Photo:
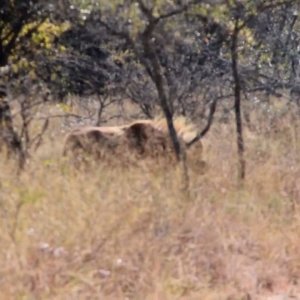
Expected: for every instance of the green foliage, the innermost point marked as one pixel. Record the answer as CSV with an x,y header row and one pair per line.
x,y
46,33
197,28
42,41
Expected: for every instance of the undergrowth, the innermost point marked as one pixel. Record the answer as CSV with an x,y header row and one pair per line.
x,y
133,234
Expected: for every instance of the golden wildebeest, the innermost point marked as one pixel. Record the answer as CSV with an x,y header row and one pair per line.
x,y
139,140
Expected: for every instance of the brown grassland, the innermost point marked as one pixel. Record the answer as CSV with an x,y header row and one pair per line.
x,y
132,233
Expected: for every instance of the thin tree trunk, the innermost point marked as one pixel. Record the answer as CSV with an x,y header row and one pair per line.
x,y
156,75
8,136
237,104
178,149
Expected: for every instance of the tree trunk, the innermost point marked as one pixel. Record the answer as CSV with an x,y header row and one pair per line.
x,y
237,104
157,77
153,67
8,136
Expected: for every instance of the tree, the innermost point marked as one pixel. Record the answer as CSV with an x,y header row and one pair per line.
x,y
15,16
244,14
8,137
84,67
183,57
145,39
20,41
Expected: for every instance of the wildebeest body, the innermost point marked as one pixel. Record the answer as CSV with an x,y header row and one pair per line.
x,y
140,140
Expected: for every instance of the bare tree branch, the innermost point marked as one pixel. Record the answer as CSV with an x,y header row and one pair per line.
x,y
210,119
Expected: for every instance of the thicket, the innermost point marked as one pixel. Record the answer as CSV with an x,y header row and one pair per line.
x,y
186,57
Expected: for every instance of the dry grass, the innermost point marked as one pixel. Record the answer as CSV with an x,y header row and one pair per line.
x,y
133,234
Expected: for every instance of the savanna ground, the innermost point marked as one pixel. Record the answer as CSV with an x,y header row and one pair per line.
x,y
133,233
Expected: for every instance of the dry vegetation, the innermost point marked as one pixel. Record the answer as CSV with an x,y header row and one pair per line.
x,y
133,234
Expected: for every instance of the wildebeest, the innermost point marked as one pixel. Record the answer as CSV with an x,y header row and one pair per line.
x,y
139,140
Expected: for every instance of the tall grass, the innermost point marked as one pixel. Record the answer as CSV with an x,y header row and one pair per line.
x,y
132,233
